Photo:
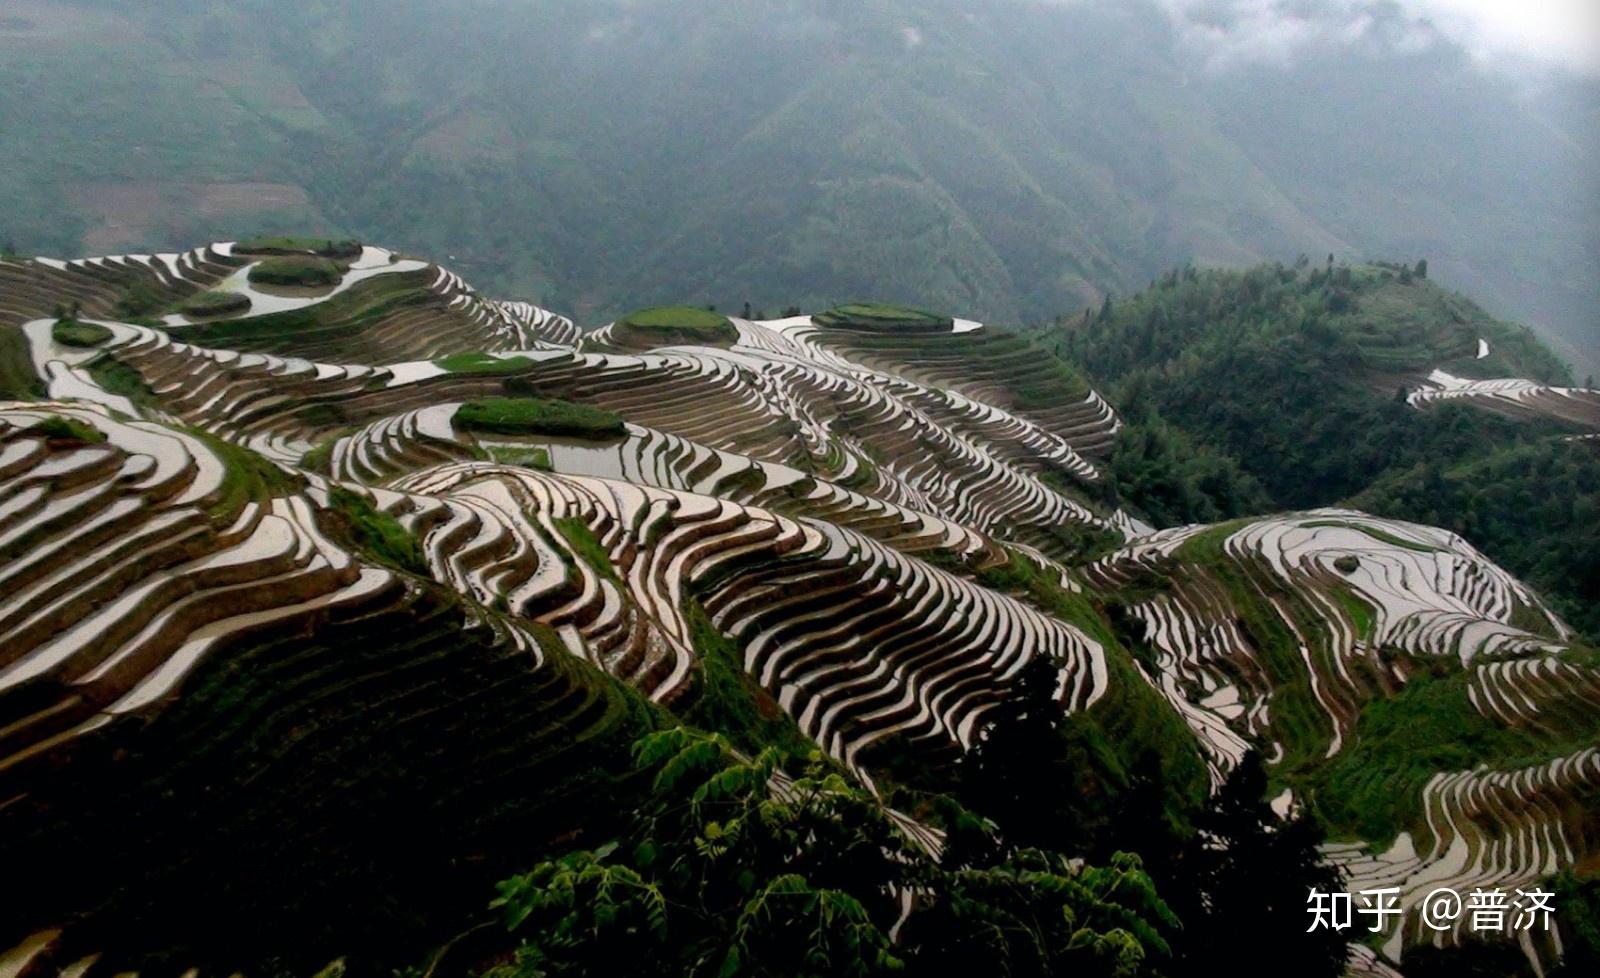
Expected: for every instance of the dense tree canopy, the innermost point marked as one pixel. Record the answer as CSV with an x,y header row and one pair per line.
x,y
733,869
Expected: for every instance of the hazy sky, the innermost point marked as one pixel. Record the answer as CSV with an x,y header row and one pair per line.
x,y
1511,33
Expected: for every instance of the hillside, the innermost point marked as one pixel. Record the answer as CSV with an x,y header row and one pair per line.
x,y
1008,162
327,610
1312,385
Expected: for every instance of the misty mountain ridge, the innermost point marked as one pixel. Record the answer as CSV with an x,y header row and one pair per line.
x,y
1017,161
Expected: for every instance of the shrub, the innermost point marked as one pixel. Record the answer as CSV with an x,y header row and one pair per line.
x,y
71,332
537,416
1347,564
295,270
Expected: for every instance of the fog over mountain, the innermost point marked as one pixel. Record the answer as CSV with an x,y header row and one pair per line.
x,y
1015,161
1540,36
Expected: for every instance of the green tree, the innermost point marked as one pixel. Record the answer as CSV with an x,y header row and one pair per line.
x,y
732,869
1033,771
1246,872
1577,903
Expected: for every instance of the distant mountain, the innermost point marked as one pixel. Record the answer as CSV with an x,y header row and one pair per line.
x,y
1013,160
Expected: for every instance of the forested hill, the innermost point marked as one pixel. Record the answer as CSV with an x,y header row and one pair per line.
x,y
1298,386
1008,160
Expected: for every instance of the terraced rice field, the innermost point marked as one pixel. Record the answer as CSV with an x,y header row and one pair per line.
x,y
1287,631
1513,397
257,551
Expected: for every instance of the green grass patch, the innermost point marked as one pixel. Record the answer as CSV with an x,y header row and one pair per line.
x,y
587,546
140,299
1206,545
1298,721
1358,611
247,477
320,457
477,362
728,700
882,316
1132,716
204,305
538,416
327,327
71,332
58,428
18,381
1382,536
374,532
679,324
324,247
527,456
1372,789
115,377
302,271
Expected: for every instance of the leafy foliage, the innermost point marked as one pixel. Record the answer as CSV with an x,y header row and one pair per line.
x,y
115,377
1276,388
1244,871
1577,903
586,545
1373,787
246,476
1171,477
732,870
727,700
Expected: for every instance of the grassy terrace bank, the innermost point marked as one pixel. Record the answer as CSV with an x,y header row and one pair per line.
x,y
482,363
325,247
296,270
885,317
71,332
203,305
677,324
538,416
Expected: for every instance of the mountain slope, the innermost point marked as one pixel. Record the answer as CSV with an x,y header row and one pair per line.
x,y
1012,161
442,595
